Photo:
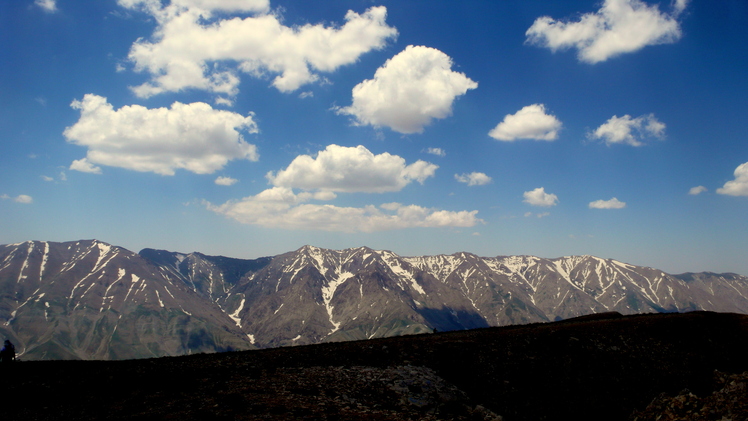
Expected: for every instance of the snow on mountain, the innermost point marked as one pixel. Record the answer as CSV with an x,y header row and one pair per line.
x,y
89,299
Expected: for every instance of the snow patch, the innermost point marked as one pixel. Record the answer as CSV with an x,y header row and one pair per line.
x,y
402,273
564,272
517,264
25,262
623,265
158,296
235,317
134,280
44,260
328,292
316,254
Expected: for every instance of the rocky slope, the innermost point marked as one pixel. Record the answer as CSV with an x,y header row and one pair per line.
x,y
313,295
91,300
727,401
600,367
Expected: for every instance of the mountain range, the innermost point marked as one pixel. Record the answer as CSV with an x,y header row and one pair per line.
x,y
91,300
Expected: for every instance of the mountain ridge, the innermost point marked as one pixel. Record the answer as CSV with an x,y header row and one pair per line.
x,y
90,300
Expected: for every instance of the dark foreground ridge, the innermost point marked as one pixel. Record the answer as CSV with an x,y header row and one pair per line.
x,y
601,367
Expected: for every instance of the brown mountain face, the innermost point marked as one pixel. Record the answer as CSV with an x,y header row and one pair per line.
x,y
91,300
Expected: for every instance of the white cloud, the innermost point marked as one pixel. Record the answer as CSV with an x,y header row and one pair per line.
x,y
21,198
408,91
226,181
191,50
47,5
697,190
539,197
351,169
175,7
680,6
226,102
155,7
194,137
279,207
391,206
473,179
436,151
738,186
620,26
630,131
538,215
226,5
607,204
83,165
47,178
531,122
323,195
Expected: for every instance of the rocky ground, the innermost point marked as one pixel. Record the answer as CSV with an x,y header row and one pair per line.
x,y
600,367
729,401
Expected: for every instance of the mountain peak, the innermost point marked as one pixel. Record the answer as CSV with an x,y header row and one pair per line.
x,y
102,299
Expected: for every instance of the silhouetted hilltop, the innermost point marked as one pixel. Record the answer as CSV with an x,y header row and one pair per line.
x,y
604,367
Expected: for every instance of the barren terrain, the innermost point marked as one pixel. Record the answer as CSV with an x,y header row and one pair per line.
x,y
594,367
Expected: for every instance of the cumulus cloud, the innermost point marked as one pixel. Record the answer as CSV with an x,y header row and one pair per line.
x,y
408,91
531,122
697,190
225,5
351,169
680,6
226,181
607,204
156,7
629,131
190,49
436,151
21,198
618,27
279,207
539,197
194,137
738,186
473,179
47,5
83,165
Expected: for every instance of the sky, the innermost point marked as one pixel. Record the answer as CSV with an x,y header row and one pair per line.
x,y
250,128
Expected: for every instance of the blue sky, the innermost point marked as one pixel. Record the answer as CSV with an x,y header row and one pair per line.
x,y
249,128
